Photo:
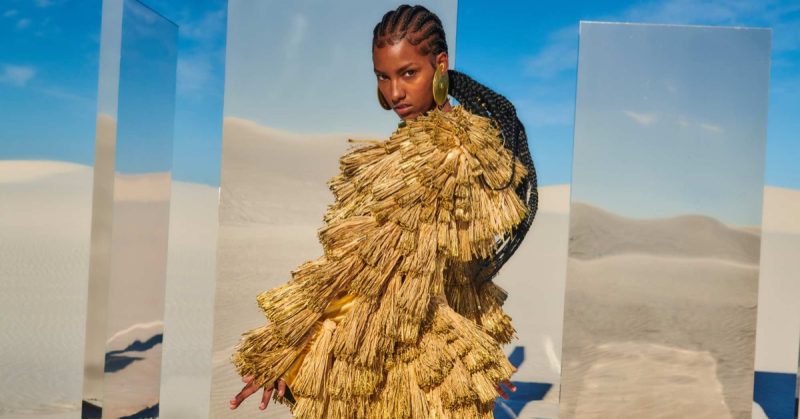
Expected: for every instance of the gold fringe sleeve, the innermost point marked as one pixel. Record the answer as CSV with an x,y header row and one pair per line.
x,y
409,213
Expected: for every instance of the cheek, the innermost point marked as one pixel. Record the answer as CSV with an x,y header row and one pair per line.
x,y
384,88
422,92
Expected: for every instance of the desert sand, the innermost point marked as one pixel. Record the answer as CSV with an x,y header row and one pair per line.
x,y
269,227
659,317
45,226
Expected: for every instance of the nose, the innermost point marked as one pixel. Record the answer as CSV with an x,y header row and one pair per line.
x,y
398,93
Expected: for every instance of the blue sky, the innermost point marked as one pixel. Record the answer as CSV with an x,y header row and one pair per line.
x,y
48,81
528,51
525,50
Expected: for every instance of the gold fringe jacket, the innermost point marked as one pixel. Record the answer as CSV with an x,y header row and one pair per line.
x,y
389,322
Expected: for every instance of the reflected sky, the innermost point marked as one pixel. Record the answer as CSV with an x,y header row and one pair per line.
x,y
672,120
146,91
287,68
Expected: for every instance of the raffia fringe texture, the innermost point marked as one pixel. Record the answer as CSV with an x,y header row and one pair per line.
x,y
388,323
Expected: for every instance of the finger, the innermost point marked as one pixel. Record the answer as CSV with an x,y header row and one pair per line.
x,y
510,385
281,387
266,397
501,392
249,389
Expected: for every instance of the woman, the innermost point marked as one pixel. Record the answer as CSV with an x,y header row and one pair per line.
x,y
399,318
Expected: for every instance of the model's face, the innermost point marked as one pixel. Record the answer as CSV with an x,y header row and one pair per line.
x,y
405,78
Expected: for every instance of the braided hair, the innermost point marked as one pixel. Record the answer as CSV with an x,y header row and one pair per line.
x,y
422,28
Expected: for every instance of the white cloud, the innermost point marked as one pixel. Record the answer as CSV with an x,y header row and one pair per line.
x,y
297,33
773,13
17,75
195,72
23,23
44,3
10,13
560,54
716,129
60,93
642,118
294,38
211,26
544,113
694,11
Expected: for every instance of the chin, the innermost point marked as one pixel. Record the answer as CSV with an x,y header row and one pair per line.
x,y
409,117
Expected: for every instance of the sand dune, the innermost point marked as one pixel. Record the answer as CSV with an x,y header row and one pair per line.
x,y
659,317
681,383
21,171
44,239
595,233
703,305
275,177
45,221
147,187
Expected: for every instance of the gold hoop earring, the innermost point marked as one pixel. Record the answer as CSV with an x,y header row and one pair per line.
x,y
382,100
441,83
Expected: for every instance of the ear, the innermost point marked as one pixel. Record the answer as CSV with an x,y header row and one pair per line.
x,y
442,59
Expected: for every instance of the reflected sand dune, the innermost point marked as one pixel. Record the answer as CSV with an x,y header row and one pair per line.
x,y
272,201
45,218
684,383
683,303
595,232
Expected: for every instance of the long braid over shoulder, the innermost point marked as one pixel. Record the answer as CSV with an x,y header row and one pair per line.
x,y
422,28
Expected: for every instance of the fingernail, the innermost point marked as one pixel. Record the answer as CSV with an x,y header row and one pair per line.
x,y
262,406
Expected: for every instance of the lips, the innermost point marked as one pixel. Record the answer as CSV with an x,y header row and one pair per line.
x,y
402,108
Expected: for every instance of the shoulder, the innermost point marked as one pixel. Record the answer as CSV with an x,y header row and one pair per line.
x,y
445,129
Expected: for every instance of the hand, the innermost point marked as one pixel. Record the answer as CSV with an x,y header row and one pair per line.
x,y
508,384
252,387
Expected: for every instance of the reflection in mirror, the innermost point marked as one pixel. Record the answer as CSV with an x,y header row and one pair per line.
x,y
665,221
298,84
136,102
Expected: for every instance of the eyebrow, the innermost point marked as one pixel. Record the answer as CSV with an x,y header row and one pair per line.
x,y
400,70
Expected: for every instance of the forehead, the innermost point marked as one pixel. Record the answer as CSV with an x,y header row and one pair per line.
x,y
397,55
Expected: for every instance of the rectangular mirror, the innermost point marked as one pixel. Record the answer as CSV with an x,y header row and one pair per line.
x,y
299,83
130,225
665,221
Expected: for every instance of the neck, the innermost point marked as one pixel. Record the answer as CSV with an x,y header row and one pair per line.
x,y
445,108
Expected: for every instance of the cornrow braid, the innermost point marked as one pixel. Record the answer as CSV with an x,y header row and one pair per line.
x,y
416,24
481,100
422,28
